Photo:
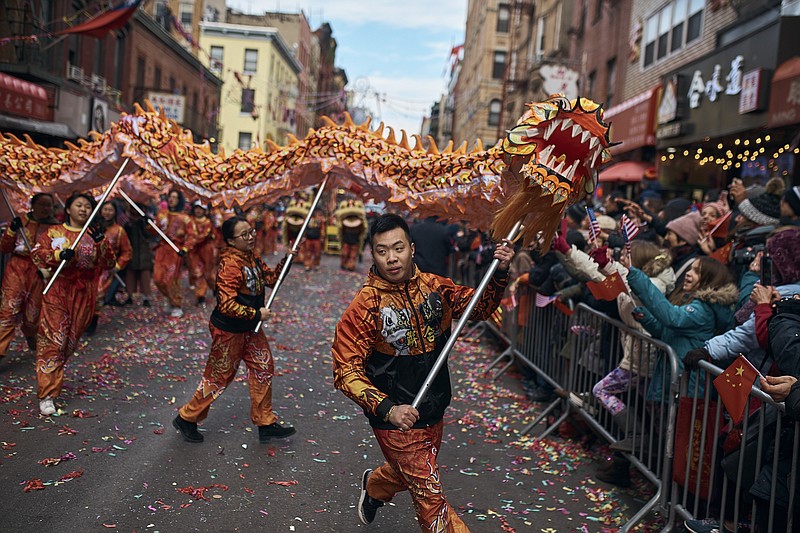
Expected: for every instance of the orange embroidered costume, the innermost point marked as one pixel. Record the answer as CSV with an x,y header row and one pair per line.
x,y
241,281
178,226
203,258
385,344
118,240
21,293
68,306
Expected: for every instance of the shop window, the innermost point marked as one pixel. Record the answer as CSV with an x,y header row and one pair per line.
x,y
250,61
499,65
671,29
245,140
494,113
216,57
248,99
503,18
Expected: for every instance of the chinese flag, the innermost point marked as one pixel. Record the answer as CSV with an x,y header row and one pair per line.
x,y
609,288
564,308
722,253
720,230
733,386
112,19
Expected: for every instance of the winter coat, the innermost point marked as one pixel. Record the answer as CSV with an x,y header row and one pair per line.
x,y
389,337
140,239
742,339
683,327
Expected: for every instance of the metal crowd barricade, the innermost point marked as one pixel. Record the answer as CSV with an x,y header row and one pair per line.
x,y
766,456
599,344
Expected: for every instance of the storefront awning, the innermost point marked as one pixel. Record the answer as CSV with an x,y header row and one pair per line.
x,y
25,125
627,171
784,102
23,98
633,122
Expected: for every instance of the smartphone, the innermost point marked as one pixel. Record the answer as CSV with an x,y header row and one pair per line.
x,y
766,270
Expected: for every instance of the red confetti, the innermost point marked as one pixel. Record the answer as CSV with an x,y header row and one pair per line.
x,y
66,430
282,483
159,431
80,413
199,492
33,484
72,475
110,526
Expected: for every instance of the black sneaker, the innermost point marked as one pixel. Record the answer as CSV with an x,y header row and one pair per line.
x,y
92,327
201,300
146,303
274,431
188,430
367,505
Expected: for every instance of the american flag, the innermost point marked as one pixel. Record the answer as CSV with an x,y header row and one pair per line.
x,y
594,226
629,227
544,301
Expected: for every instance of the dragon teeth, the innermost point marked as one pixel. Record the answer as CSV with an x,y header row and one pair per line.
x,y
585,136
576,129
566,123
559,169
532,133
593,142
550,129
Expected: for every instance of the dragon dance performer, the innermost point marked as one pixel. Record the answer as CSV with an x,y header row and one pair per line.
x,y
351,219
385,345
117,239
21,293
271,231
241,281
203,257
68,306
312,244
178,226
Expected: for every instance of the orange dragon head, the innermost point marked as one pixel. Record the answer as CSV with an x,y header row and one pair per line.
x,y
554,151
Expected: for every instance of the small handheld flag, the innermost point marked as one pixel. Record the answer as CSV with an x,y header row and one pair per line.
x,y
594,226
734,385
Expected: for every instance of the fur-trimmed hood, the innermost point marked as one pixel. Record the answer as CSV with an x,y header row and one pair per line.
x,y
725,295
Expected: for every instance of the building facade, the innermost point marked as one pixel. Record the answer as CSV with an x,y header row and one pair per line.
x,y
260,76
331,80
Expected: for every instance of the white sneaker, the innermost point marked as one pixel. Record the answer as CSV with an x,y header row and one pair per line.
x,y
46,407
176,312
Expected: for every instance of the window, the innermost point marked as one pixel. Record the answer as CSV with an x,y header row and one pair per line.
x,y
248,99
590,82
157,78
215,63
598,9
503,18
186,14
250,61
611,82
245,140
140,71
494,113
499,66
671,29
541,25
172,84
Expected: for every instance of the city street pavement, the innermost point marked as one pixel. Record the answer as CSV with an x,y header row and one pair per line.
x,y
112,461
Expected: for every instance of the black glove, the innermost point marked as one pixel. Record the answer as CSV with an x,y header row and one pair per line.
x,y
66,254
182,253
693,357
96,234
16,223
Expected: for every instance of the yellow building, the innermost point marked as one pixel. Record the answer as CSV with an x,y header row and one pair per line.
x,y
260,79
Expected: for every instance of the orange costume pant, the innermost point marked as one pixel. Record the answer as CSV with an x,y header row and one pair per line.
x,y
348,256
271,241
202,268
312,253
67,309
167,274
227,351
411,464
20,300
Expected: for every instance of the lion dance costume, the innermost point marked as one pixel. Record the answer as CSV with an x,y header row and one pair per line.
x,y
351,221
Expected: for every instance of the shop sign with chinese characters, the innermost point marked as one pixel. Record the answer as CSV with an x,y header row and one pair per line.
x,y
712,88
172,104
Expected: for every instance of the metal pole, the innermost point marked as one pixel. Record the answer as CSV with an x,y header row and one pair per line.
x,y
295,248
13,214
442,359
121,282
150,221
88,222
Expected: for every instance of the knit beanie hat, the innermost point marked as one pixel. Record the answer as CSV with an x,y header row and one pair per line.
x,y
792,197
782,248
675,208
687,227
606,223
765,209
721,205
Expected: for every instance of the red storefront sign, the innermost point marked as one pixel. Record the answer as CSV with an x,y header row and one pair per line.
x,y
784,101
23,98
633,122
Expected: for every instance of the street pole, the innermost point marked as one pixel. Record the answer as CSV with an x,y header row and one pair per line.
x,y
89,222
150,221
442,359
295,248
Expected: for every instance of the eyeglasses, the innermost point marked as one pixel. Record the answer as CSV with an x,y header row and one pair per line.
x,y
246,234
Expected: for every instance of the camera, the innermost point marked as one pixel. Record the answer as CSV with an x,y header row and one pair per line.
x,y
746,255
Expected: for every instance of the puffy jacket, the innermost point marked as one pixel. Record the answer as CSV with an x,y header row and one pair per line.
x,y
389,337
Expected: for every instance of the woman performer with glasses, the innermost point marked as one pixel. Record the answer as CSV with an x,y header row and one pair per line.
x,y
241,281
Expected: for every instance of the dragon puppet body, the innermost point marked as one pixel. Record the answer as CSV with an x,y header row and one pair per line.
x,y
548,161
